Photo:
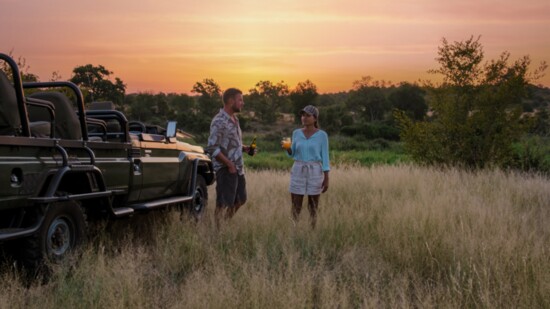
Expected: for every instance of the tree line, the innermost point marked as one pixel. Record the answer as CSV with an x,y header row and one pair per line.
x,y
475,117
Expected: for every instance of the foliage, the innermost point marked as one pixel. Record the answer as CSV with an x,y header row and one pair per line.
x,y
96,86
410,99
460,121
198,117
538,98
267,99
23,67
541,122
140,106
372,130
476,110
160,108
304,94
210,99
334,117
532,154
368,99
185,112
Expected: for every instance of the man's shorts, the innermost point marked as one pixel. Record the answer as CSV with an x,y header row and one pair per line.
x,y
306,178
230,188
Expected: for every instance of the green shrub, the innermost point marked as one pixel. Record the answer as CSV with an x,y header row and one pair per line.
x,y
371,131
532,154
477,114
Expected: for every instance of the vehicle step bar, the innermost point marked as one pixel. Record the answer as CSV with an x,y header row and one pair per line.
x,y
14,233
163,202
83,196
122,211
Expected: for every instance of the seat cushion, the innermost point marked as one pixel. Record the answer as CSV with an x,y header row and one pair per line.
x,y
40,129
67,125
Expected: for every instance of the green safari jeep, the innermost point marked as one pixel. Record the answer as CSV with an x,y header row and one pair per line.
x,y
62,164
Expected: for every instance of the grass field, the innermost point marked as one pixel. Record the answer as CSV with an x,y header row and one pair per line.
x,y
387,236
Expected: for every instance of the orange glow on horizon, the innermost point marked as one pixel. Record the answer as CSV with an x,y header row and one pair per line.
x,y
169,46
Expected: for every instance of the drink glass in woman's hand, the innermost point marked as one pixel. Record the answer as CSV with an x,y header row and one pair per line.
x,y
286,143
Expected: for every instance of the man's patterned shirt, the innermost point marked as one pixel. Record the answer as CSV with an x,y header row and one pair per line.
x,y
226,137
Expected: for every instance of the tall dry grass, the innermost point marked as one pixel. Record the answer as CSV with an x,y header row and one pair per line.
x,y
387,236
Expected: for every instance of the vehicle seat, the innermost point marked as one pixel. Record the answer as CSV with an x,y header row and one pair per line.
x,y
113,125
40,129
104,105
10,123
67,125
41,117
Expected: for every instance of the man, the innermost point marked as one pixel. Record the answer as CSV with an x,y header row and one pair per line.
x,y
225,144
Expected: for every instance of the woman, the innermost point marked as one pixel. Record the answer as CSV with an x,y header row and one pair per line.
x,y
309,174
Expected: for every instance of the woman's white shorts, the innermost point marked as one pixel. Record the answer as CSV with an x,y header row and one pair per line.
x,y
306,178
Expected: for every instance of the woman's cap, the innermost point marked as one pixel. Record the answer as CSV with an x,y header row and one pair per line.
x,y
310,109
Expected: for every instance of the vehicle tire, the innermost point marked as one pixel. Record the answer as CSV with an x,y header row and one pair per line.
x,y
197,207
63,230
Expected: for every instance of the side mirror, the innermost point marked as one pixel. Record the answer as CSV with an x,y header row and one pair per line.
x,y
171,130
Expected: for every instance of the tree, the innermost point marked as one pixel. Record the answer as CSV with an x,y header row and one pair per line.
x,y
183,106
333,118
368,100
304,94
23,67
541,122
96,86
410,99
267,99
210,100
476,110
56,76
159,108
208,104
140,106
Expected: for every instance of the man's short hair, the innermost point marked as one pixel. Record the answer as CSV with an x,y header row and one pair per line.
x,y
230,93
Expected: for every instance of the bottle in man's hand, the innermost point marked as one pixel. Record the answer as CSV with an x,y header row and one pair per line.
x,y
252,147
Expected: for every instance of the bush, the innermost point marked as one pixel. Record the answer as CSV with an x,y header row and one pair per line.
x,y
477,110
532,154
386,132
372,131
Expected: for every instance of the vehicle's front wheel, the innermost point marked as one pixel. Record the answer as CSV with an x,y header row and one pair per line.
x,y
197,207
63,229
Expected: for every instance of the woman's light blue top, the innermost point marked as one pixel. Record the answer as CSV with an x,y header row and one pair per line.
x,y
312,149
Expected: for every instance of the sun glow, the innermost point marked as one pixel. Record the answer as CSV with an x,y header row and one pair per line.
x,y
168,46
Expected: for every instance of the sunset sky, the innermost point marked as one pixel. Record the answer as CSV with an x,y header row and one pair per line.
x,y
169,45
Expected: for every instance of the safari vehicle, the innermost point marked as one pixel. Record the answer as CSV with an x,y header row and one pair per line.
x,y
61,166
